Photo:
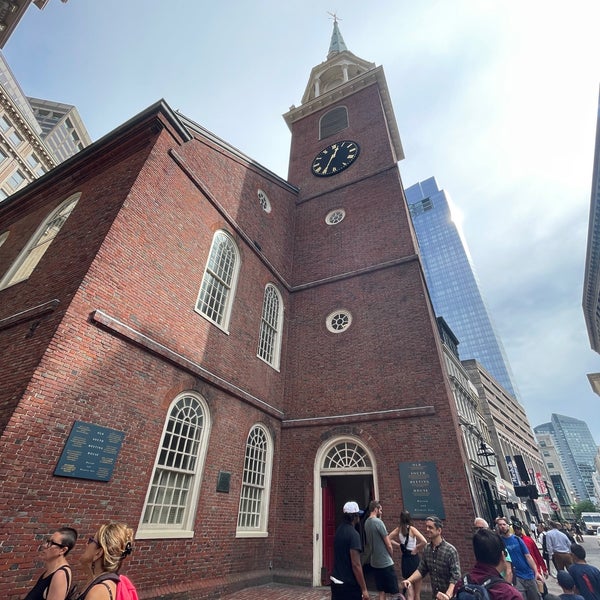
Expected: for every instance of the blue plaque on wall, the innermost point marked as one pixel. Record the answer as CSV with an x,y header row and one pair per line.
x,y
90,452
421,493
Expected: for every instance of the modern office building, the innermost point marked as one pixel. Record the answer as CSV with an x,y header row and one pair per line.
x,y
522,470
577,451
591,282
35,135
452,282
221,357
565,497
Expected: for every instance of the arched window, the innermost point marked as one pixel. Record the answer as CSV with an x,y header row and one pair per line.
x,y
37,246
173,493
271,325
256,484
218,283
347,455
333,121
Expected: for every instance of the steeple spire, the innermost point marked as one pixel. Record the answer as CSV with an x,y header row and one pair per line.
x,y
337,44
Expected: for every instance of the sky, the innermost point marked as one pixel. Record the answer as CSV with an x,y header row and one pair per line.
x,y
496,99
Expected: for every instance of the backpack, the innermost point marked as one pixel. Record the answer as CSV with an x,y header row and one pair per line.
x,y
475,591
125,588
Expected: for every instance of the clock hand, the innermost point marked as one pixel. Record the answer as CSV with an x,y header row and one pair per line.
x,y
331,158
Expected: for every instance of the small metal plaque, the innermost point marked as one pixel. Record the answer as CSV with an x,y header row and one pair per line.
x,y
223,482
91,452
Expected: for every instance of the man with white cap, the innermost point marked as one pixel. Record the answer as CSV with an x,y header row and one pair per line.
x,y
347,579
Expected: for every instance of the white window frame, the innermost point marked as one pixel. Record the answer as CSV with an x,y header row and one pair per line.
x,y
271,328
184,529
212,278
21,269
256,485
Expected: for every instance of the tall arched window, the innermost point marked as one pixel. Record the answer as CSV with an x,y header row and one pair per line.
x,y
271,325
218,284
173,493
256,484
333,121
37,246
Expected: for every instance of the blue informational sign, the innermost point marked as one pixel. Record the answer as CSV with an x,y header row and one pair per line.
x,y
421,494
91,452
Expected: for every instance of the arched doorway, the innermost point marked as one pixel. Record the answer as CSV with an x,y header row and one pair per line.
x,y
344,470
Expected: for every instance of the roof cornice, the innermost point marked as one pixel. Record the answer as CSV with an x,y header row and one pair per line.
x,y
374,76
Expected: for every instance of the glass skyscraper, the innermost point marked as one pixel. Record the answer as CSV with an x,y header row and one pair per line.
x,y
452,282
577,451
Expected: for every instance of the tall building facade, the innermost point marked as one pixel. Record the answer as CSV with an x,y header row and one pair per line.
x,y
221,357
476,433
577,450
591,282
35,135
11,12
452,281
522,470
565,496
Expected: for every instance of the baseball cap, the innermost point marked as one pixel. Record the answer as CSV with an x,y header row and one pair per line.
x,y
565,580
351,508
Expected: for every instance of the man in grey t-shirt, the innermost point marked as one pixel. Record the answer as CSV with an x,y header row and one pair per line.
x,y
379,550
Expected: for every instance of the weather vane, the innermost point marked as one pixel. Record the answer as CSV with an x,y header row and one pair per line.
x,y
334,16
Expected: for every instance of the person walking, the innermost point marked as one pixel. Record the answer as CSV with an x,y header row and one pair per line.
x,y
524,567
559,547
490,557
55,581
378,548
586,577
347,579
567,584
507,573
439,560
410,541
532,547
102,558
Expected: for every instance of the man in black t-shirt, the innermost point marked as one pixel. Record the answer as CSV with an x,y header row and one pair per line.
x,y
347,579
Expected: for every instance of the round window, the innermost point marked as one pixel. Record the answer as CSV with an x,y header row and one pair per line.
x,y
335,216
338,321
264,201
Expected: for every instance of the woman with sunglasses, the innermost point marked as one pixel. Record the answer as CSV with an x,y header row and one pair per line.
x,y
55,581
102,558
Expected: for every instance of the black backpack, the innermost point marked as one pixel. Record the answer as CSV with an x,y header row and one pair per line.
x,y
476,591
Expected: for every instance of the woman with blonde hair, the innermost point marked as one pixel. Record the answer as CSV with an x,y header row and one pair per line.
x,y
103,556
411,542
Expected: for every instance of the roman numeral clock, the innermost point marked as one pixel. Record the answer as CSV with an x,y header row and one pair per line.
x,y
335,158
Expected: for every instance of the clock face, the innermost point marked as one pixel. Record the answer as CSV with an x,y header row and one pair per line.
x,y
335,158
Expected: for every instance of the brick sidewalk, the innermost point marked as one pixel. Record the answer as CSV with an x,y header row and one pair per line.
x,y
279,591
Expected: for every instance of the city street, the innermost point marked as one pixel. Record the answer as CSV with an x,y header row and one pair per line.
x,y
277,591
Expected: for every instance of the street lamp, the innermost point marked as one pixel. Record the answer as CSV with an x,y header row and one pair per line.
x,y
487,454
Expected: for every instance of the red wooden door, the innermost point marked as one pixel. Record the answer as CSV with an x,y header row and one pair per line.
x,y
328,528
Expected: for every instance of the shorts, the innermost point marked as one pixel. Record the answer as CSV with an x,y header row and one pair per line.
x,y
410,562
345,591
386,580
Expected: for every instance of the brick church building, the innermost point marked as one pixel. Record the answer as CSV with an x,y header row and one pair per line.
x,y
220,357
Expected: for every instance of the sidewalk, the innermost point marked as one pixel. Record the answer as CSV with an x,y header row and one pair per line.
x,y
279,591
